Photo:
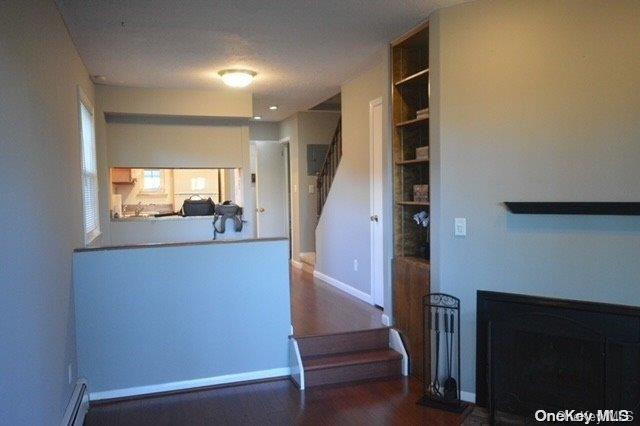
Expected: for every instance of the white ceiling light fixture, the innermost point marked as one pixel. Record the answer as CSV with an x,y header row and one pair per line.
x,y
237,77
257,117
273,107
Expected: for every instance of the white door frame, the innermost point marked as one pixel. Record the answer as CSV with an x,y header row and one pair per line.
x,y
376,238
286,143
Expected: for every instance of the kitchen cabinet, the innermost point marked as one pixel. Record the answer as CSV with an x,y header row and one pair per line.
x,y
121,176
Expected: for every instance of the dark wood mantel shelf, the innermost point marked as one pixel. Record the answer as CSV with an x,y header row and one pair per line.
x,y
584,208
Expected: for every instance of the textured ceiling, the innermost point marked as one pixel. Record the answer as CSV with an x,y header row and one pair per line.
x,y
302,50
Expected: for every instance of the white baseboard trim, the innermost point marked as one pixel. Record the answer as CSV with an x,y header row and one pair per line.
x,y
78,405
344,287
189,384
386,320
297,369
395,343
468,396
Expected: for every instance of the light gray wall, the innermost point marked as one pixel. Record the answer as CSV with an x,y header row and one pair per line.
x,y
264,131
315,128
305,128
41,210
155,315
536,101
343,233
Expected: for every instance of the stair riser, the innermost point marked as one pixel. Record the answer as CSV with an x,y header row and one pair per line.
x,y
352,373
341,343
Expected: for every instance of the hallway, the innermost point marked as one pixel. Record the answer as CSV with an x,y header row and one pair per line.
x,y
318,308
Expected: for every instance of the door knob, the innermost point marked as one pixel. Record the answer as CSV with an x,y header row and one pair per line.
x,y
261,210
374,218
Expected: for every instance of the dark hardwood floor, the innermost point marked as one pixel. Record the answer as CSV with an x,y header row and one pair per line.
x,y
386,402
319,308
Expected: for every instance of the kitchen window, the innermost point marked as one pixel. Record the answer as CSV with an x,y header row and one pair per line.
x,y
152,181
89,169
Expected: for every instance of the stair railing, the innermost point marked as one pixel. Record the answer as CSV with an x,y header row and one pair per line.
x,y
329,167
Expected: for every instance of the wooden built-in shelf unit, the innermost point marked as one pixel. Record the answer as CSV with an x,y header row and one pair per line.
x,y
410,94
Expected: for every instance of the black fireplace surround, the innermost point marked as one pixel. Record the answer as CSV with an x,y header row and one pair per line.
x,y
537,353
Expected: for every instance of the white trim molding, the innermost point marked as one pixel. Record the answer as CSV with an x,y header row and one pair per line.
x,y
344,287
190,384
376,228
78,405
395,343
297,368
386,320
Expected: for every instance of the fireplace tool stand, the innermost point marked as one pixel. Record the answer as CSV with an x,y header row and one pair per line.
x,y
442,340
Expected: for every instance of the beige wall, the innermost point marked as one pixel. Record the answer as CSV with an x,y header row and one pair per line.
x,y
534,101
41,210
195,103
343,232
147,142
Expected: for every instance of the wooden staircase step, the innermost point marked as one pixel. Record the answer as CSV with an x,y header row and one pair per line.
x,y
349,358
352,366
338,343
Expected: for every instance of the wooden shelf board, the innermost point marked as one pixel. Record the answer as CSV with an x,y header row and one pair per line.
x,y
412,77
412,122
412,203
416,161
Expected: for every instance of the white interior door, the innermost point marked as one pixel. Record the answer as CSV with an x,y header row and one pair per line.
x,y
271,190
376,145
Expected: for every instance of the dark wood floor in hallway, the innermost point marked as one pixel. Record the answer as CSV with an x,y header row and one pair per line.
x,y
319,308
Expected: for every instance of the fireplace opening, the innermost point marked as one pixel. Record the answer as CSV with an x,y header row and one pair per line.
x,y
537,353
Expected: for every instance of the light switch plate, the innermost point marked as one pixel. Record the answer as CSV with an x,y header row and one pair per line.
x,y
312,189
460,227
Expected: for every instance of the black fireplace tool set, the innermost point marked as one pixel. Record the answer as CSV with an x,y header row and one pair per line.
x,y
442,341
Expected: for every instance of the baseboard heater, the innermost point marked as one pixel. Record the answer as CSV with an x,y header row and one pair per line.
x,y
77,407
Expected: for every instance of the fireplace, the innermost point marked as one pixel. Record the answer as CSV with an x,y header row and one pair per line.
x,y
538,353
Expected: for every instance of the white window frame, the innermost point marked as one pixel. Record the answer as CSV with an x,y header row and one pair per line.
x,y
161,189
85,173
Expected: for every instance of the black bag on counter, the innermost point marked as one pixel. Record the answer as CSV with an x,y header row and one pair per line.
x,y
198,207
